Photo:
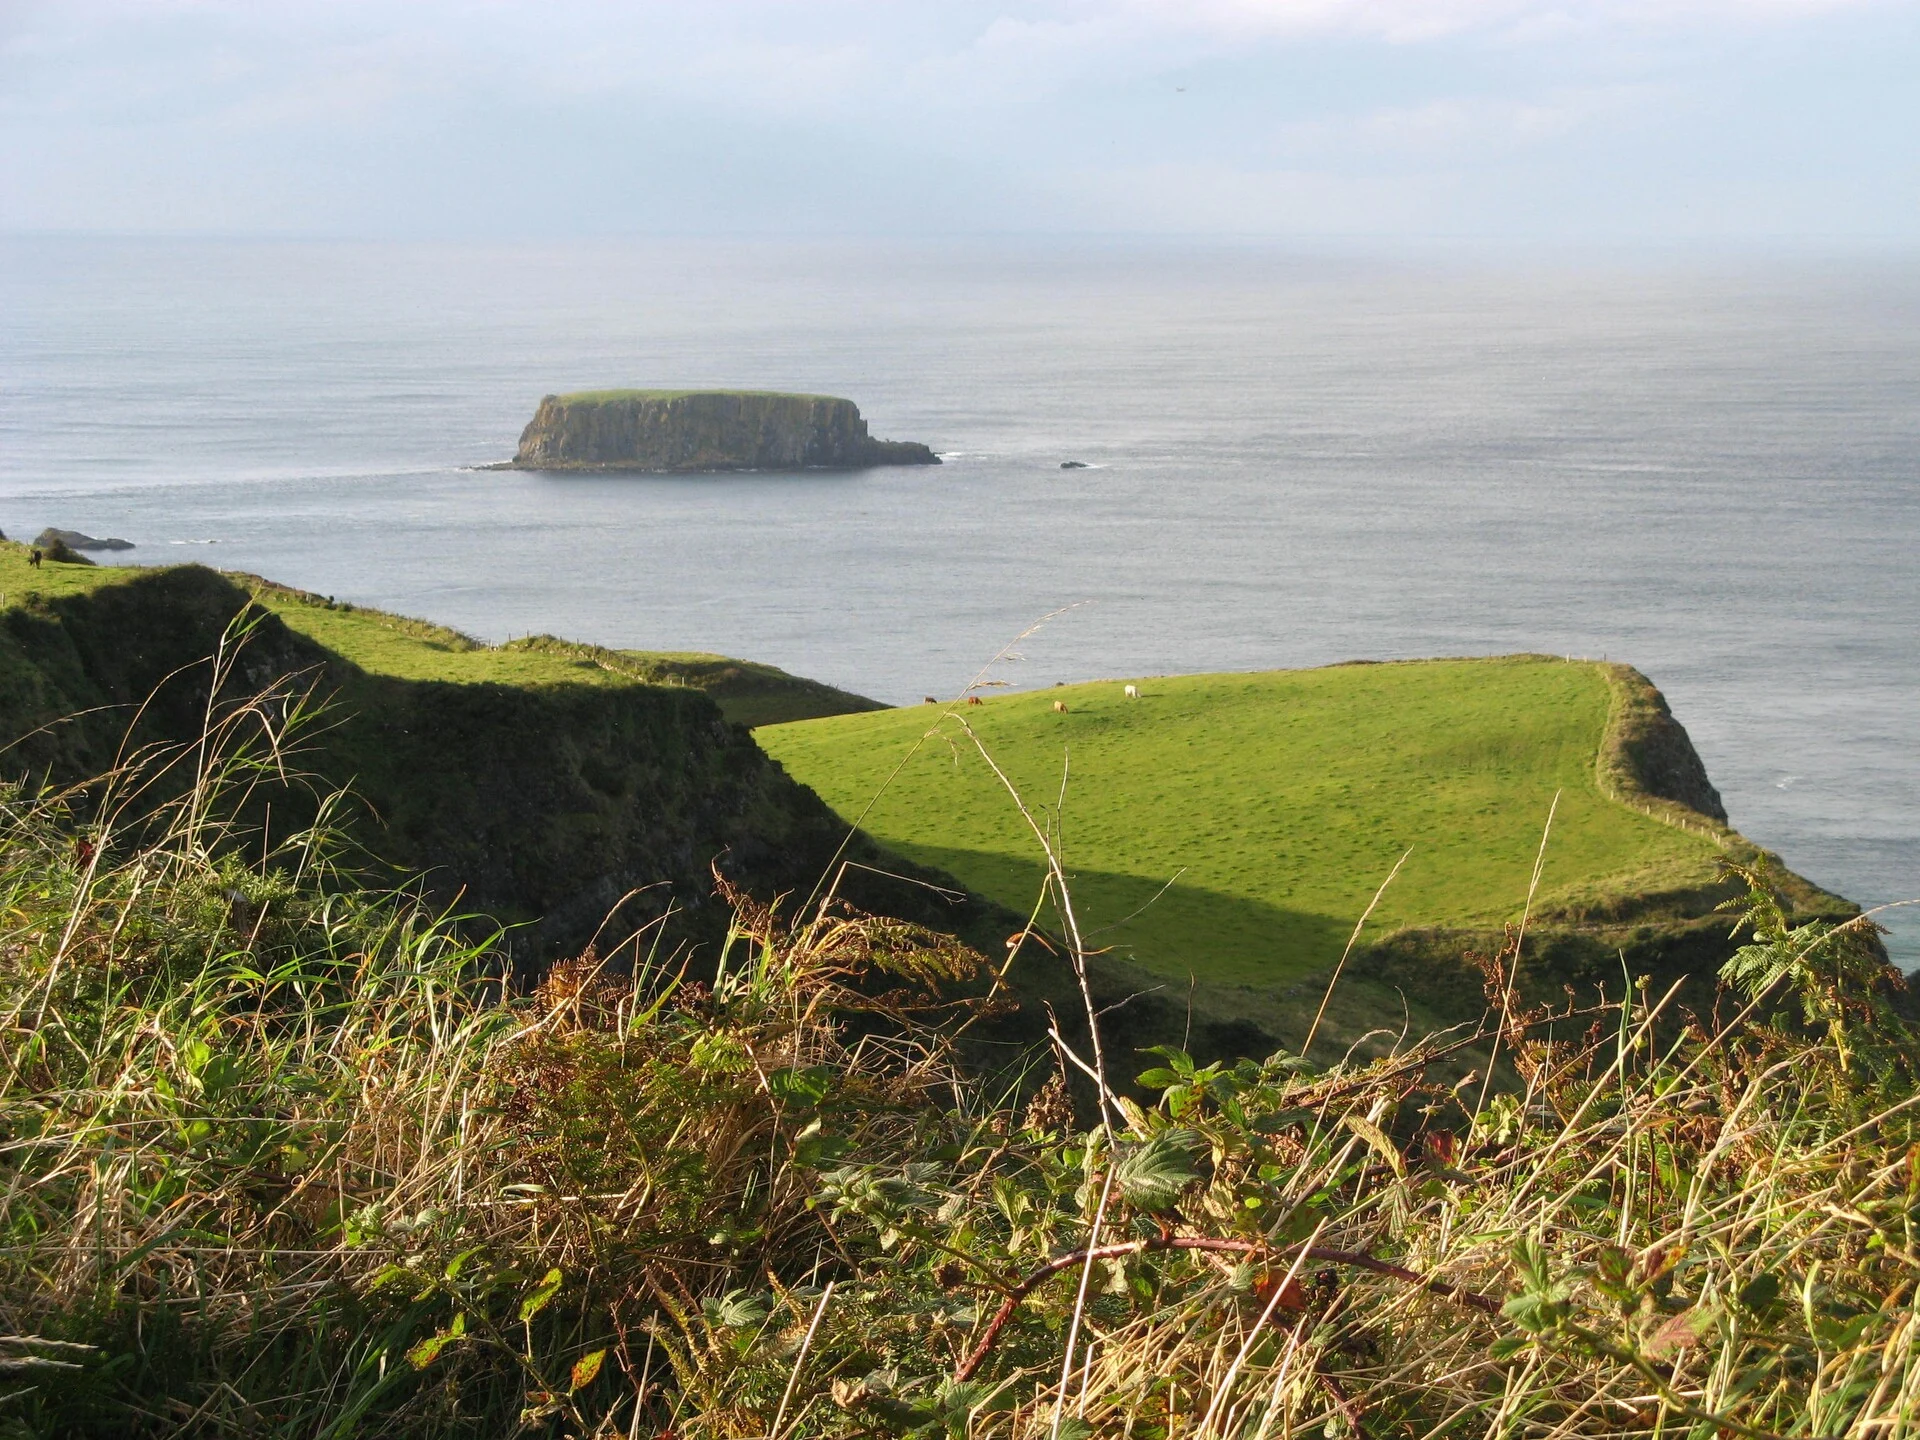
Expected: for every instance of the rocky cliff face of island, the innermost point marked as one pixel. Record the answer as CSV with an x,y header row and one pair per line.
x,y
694,431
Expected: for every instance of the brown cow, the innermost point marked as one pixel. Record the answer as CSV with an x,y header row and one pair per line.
x,y
975,700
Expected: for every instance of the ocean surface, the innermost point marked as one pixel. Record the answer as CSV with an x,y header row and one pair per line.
x,y
1708,469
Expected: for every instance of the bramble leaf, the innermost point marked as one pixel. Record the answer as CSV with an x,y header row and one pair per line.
x,y
428,1350
587,1368
1761,1295
735,1310
1152,1175
542,1295
801,1088
1381,1142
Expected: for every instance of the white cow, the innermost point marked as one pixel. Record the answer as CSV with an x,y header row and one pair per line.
x,y
1133,692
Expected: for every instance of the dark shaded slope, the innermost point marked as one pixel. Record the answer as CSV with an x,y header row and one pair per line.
x,y
1647,755
544,804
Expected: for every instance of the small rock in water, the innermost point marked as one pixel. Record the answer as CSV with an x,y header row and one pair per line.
x,y
1073,465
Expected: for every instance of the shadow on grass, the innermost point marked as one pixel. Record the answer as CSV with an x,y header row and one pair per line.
x,y
1224,976
1172,931
1217,975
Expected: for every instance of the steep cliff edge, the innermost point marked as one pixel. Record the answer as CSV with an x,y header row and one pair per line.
x,y
690,431
1647,756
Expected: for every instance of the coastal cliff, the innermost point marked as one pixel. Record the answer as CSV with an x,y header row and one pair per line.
x,y
691,431
541,804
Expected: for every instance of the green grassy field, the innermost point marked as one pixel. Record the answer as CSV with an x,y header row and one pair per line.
x,y
383,644
1275,803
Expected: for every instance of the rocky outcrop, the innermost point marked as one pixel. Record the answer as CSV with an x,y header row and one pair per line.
x,y
51,539
1647,755
693,431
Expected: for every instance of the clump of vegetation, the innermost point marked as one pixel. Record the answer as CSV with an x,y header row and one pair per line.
x,y
279,1156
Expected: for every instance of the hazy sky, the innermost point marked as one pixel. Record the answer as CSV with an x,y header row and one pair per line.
x,y
1556,119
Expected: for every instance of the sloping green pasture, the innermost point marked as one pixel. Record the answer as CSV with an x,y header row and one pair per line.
x,y
1274,803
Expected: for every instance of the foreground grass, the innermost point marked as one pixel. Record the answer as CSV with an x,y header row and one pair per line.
x,y
280,1157
1276,803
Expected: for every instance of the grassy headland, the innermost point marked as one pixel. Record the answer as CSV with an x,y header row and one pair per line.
x,y
380,643
1236,826
747,692
541,779
537,782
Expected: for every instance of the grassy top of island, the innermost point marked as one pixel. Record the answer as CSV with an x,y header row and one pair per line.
x,y
1236,826
616,396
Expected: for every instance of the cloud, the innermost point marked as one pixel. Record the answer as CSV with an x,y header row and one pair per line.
x,y
1456,127
1232,114
133,57
1412,21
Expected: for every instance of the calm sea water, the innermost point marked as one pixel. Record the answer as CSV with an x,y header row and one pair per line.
x,y
1710,471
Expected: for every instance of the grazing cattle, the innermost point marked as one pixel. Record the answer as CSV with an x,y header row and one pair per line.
x,y
34,560
928,700
1133,692
975,700
1061,706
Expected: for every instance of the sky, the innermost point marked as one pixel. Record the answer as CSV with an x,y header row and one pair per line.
x,y
1664,121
